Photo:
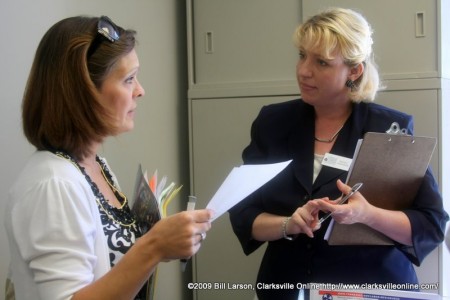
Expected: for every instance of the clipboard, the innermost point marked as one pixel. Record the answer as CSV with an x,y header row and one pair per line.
x,y
390,165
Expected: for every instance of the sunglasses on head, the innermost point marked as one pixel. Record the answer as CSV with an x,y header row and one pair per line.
x,y
106,29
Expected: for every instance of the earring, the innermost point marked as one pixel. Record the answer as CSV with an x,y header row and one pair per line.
x,y
350,84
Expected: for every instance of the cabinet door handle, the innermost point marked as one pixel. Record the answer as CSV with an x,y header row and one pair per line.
x,y
420,24
209,46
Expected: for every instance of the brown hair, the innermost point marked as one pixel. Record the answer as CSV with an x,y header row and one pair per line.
x,y
61,108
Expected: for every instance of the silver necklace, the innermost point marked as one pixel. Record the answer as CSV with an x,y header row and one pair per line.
x,y
331,139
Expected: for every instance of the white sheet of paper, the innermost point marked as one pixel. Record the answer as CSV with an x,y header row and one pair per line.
x,y
241,182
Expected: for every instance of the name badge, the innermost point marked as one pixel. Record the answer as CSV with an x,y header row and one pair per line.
x,y
336,161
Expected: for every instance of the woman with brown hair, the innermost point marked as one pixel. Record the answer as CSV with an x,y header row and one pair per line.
x,y
71,232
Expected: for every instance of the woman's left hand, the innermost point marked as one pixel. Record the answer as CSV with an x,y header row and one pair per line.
x,y
356,210
393,224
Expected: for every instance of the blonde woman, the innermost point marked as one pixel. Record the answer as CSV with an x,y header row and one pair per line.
x,y
338,81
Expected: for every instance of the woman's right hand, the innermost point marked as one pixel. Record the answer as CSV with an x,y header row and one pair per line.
x,y
305,219
179,235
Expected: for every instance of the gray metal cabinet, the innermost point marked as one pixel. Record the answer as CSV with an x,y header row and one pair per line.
x,y
243,41
220,130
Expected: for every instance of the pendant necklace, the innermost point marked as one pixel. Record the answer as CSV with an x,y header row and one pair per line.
x,y
331,139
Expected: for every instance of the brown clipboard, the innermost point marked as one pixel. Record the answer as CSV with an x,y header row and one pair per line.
x,y
391,168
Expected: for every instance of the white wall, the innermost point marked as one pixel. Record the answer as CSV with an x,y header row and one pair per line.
x,y
160,138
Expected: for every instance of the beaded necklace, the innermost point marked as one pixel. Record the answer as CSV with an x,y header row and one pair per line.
x,y
122,215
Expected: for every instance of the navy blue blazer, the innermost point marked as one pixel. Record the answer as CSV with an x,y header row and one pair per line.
x,y
285,131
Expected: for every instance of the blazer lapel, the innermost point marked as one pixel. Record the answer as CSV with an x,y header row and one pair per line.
x,y
301,146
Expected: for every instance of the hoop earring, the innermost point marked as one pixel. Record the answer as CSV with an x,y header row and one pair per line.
x,y
350,84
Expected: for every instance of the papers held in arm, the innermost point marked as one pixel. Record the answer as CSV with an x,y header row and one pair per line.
x,y
392,168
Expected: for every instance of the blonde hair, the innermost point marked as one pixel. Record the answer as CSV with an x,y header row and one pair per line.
x,y
346,31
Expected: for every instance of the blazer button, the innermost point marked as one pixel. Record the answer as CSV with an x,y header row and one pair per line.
x,y
306,198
